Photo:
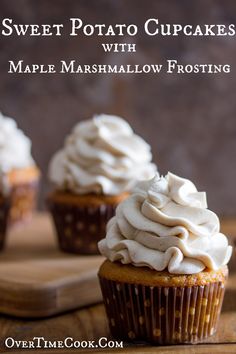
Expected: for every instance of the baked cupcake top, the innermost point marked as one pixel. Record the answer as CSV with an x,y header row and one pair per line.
x,y
15,147
165,224
101,155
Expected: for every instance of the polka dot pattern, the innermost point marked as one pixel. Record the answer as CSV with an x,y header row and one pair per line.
x,y
162,315
79,228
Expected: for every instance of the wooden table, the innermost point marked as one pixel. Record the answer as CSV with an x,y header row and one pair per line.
x,y
90,323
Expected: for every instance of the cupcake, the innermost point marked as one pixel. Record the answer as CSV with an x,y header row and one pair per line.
x,y
101,161
164,278
18,169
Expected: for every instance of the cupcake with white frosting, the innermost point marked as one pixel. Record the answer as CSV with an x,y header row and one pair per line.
x,y
101,161
18,173
166,268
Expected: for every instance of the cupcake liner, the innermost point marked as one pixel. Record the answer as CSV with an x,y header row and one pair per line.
x,y
4,213
23,201
80,227
162,315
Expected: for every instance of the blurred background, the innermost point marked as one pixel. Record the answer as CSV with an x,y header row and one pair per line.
x,y
190,120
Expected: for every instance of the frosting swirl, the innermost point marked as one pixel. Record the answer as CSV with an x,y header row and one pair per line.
x,y
165,224
102,155
15,147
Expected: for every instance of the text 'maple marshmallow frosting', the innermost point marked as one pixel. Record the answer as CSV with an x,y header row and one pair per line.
x,y
165,224
101,155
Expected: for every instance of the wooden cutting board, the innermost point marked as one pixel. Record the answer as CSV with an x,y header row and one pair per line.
x,y
38,280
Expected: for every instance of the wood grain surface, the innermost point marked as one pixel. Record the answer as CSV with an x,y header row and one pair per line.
x,y
36,279
90,323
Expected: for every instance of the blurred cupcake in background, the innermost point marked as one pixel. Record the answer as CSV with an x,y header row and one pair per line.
x,y
164,278
19,174
4,208
101,161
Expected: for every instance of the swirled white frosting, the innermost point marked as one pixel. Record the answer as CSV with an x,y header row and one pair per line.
x,y
15,147
165,224
102,155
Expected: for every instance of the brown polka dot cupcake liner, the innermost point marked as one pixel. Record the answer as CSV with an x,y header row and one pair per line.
x,y
162,315
23,201
80,227
4,214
